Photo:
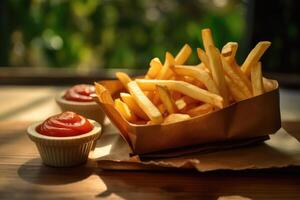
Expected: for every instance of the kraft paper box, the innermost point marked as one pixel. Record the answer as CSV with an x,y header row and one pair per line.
x,y
250,118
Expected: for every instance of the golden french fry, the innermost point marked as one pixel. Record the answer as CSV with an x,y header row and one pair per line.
x,y
184,88
183,54
175,117
178,77
234,90
175,95
232,72
144,103
149,94
154,97
166,72
268,85
184,102
207,39
162,109
242,75
256,79
254,56
123,78
103,93
189,79
203,57
199,74
217,72
155,67
229,51
194,81
189,100
180,104
133,106
199,84
188,107
166,99
226,50
200,110
124,110
203,67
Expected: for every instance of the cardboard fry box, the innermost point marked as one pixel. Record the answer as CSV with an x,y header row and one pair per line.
x,y
250,118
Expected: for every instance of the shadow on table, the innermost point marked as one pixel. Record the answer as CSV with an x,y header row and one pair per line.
x,y
25,107
293,128
256,184
34,171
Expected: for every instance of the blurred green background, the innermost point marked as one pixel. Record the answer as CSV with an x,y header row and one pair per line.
x,y
111,33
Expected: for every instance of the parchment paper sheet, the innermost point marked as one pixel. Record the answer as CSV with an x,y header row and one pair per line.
x,y
281,150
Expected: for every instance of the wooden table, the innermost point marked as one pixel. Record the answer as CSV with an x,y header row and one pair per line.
x,y
23,176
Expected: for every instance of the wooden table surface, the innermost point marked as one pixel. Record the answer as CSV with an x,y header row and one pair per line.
x,y
23,176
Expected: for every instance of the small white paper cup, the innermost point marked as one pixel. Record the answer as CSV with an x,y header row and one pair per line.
x,y
90,110
64,151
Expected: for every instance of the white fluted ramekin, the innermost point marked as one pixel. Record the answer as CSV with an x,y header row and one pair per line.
x,y
90,110
64,151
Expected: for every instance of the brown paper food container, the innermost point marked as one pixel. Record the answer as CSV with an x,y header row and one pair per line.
x,y
250,118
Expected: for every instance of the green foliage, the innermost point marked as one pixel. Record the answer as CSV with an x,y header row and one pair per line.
x,y
114,33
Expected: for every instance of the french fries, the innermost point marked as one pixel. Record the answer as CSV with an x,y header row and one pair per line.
x,y
103,93
254,56
184,88
203,67
173,91
203,57
166,99
234,90
229,51
176,95
180,104
125,111
207,39
185,103
183,54
165,71
189,100
131,103
155,67
268,85
123,78
200,110
198,74
217,71
256,79
234,75
145,104
161,108
173,118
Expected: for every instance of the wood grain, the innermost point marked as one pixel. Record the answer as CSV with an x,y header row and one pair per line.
x,y
23,176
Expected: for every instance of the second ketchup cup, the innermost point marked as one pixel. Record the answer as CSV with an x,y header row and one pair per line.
x,y
77,99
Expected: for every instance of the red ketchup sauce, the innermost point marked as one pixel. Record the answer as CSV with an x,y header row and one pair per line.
x,y
65,124
80,93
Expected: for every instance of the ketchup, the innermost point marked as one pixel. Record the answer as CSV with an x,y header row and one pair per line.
x,y
65,124
80,93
